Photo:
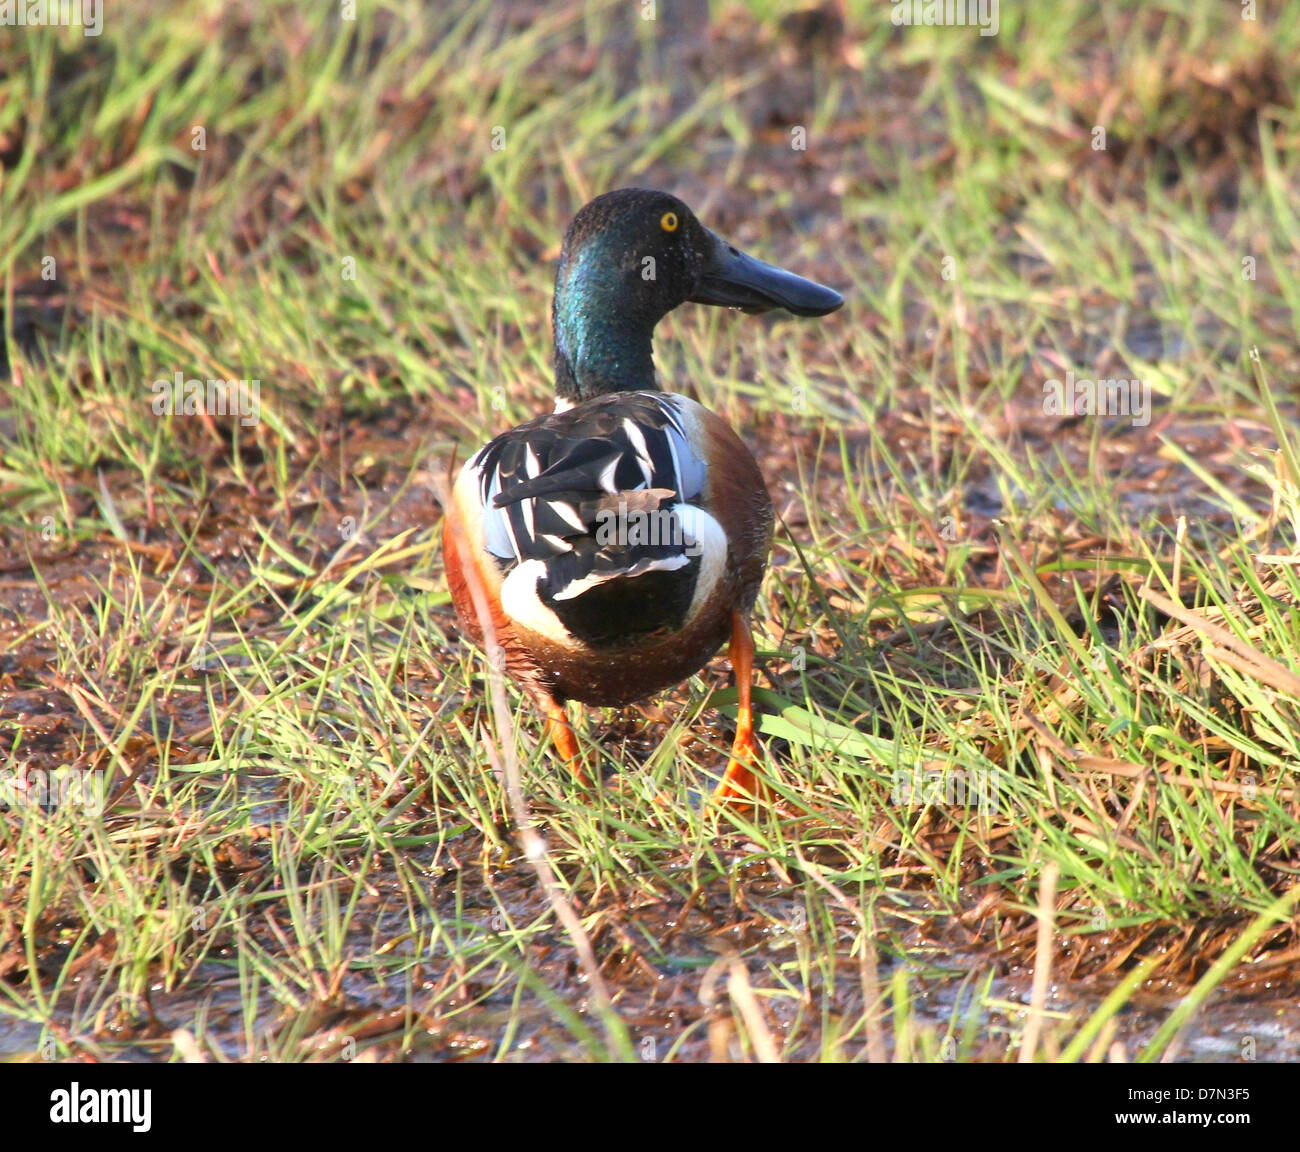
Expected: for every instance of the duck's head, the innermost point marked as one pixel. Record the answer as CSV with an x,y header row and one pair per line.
x,y
630,257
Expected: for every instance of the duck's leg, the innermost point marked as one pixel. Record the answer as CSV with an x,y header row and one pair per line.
x,y
739,782
561,734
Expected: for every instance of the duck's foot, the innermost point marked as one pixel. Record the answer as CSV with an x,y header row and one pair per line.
x,y
739,784
561,734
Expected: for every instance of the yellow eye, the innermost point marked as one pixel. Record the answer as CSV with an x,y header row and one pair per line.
x,y
668,222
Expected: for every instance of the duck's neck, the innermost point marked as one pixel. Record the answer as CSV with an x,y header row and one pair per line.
x,y
600,345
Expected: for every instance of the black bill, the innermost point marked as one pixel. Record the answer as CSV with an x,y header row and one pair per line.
x,y
734,280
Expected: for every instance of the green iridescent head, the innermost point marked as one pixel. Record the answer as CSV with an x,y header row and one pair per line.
x,y
630,257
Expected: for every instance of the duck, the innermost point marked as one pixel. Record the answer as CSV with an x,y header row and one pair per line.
x,y
605,551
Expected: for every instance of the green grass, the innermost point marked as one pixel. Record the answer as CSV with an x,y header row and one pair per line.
x,y
999,646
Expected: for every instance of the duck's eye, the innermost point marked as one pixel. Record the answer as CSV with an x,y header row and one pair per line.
x,y
668,221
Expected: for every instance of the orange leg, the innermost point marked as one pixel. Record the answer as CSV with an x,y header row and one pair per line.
x,y
739,781
566,744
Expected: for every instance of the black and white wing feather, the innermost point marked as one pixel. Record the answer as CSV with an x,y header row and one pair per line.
x,y
597,494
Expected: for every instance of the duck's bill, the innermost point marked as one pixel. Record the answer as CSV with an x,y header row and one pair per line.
x,y
733,279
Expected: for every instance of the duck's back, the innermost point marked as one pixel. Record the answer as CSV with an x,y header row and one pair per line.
x,y
612,533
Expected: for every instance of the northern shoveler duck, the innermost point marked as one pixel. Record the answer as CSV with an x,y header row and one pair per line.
x,y
617,542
